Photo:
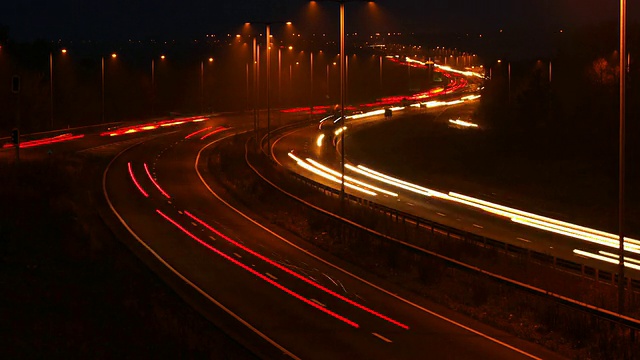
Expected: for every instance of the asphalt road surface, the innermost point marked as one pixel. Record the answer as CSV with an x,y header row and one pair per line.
x,y
278,295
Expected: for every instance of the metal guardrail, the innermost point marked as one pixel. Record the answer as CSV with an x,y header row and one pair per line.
x,y
510,249
541,258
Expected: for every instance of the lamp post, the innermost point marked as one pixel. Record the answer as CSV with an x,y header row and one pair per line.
x,y
202,87
381,86
51,86
311,87
153,83
623,75
268,51
279,77
63,52
153,86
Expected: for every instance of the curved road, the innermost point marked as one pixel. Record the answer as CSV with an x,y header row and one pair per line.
x,y
280,297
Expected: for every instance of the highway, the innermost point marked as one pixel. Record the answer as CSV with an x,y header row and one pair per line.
x,y
302,151
278,295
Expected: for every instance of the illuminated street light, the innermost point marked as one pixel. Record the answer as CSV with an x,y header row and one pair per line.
x,y
63,51
268,49
623,74
113,56
342,91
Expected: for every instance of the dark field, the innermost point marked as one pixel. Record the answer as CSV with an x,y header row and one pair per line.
x,y
569,177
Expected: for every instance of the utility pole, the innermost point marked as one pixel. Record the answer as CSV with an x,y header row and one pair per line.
x,y
621,175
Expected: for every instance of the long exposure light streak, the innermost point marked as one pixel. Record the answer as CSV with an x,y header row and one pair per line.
x,y
256,273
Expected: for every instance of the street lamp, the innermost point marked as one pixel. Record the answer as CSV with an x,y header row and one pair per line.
x,y
623,74
202,82
153,83
342,92
63,51
268,50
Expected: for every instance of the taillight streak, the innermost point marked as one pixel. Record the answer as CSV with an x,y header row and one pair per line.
x,y
197,132
146,169
217,130
293,273
133,178
254,272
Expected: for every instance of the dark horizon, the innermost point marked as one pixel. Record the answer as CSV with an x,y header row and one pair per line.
x,y
143,19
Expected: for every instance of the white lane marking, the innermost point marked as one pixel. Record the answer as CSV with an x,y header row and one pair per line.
x,y
180,212
478,226
169,202
430,312
179,274
212,238
271,276
441,214
525,240
237,255
381,337
194,223
318,302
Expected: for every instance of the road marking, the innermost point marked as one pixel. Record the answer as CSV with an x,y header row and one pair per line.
x,y
381,337
180,212
441,214
169,202
212,238
194,223
271,276
525,240
318,302
174,270
238,255
424,309
478,226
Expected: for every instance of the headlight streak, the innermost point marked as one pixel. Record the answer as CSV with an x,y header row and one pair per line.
x,y
615,256
319,140
605,259
293,273
197,132
463,123
327,176
517,216
431,192
390,182
256,273
133,178
575,230
355,181
340,130
146,169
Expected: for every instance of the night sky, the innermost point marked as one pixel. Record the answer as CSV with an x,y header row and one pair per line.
x,y
144,19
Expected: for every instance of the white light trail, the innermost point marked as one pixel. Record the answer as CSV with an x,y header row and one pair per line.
x,y
605,259
349,178
327,176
